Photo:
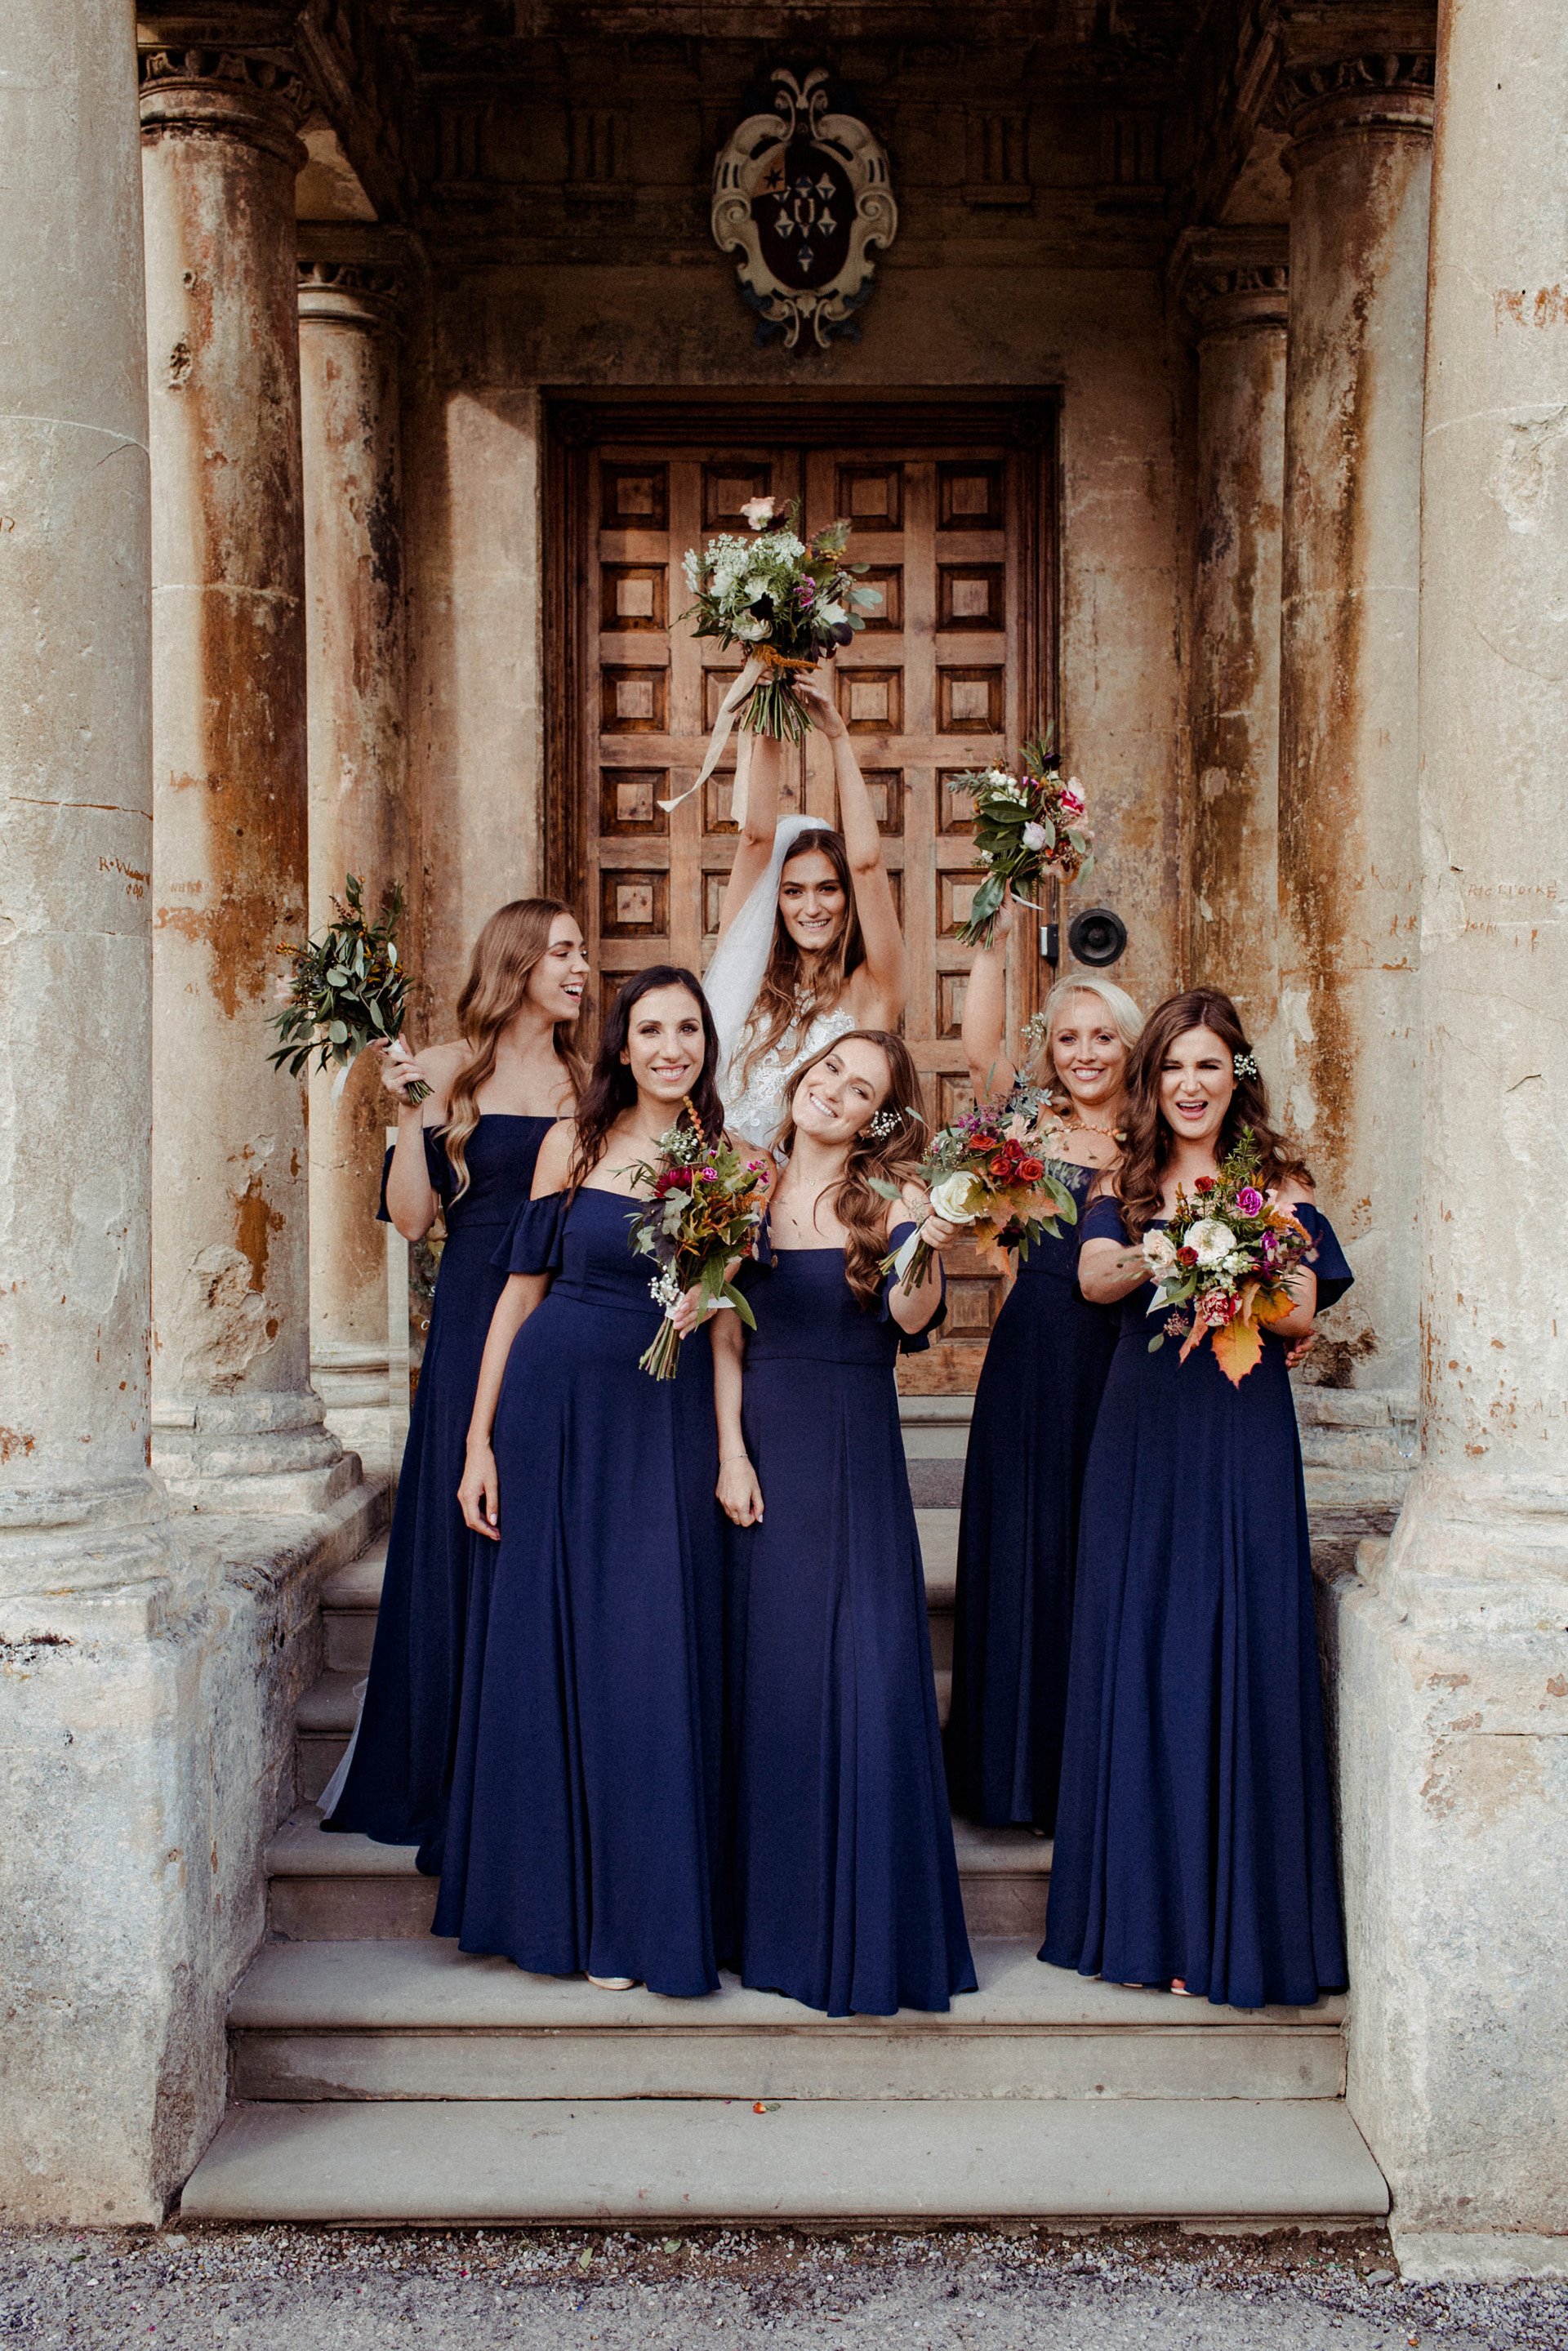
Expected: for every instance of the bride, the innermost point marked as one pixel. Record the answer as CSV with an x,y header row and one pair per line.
x,y
808,945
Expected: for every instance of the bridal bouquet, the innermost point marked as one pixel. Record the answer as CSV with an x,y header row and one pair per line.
x,y
1222,1263
347,989
1026,825
707,1204
987,1172
786,602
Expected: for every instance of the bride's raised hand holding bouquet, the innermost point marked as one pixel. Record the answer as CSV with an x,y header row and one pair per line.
x,y
790,603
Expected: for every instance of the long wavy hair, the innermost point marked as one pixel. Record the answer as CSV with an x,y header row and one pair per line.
x,y
787,1000
892,1158
611,1088
1150,1144
513,941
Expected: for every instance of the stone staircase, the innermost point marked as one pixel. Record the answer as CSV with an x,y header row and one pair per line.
x,y
378,2075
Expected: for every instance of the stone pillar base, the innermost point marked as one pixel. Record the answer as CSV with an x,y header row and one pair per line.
x,y
1492,2257
151,1677
249,1453
1452,1710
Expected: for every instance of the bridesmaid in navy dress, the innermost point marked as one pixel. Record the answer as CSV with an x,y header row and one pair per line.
x,y
1034,1412
1195,1839
582,1828
843,1888
469,1149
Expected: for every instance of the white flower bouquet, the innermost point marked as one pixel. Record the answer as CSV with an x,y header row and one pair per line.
x,y
787,602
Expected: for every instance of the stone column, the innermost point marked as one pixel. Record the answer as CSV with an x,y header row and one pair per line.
x,y
239,1426
76,758
1454,1685
1234,285
1359,160
354,638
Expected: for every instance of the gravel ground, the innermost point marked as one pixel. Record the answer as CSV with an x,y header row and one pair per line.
x,y
1154,2289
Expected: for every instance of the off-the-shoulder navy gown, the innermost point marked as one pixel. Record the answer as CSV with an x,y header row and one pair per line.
x,y
396,1789
843,1885
1194,1834
583,1829
1035,1405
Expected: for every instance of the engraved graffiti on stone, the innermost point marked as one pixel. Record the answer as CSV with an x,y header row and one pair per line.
x,y
802,195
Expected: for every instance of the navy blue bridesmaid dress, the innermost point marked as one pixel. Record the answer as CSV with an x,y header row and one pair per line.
x,y
1035,1405
1195,1834
399,1773
842,1884
582,1830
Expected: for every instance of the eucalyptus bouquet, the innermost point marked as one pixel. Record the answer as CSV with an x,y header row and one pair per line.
x,y
787,602
1222,1263
988,1172
346,991
1026,825
706,1204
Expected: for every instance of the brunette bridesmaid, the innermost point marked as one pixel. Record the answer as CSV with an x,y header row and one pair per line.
x,y
842,1882
469,1150
1035,1404
583,1823
1194,1838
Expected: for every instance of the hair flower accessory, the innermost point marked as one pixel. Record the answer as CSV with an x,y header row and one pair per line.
x,y
886,1121
1245,1063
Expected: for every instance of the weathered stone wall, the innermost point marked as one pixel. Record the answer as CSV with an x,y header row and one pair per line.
x,y
475,639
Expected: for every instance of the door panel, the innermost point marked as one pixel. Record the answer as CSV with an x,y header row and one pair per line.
x,y
952,669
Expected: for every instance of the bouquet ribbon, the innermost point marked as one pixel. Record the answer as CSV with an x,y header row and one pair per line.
x,y
729,710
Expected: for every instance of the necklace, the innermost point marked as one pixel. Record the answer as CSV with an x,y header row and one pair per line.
x,y
1112,1134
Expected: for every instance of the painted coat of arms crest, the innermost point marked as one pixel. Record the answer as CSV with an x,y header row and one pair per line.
x,y
802,195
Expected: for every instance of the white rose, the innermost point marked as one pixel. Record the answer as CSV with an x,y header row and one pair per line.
x,y
1212,1239
1159,1254
958,1199
750,631
1034,836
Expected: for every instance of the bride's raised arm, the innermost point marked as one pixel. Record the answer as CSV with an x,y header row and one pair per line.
x,y
879,990
765,780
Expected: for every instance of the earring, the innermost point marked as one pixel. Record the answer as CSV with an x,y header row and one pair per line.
x,y
1245,1063
885,1122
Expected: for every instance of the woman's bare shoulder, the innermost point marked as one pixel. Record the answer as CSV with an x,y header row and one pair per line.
x,y
551,1166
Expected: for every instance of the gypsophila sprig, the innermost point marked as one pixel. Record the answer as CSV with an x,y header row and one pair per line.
x,y
346,991
1221,1264
787,600
707,1203
1026,825
997,1173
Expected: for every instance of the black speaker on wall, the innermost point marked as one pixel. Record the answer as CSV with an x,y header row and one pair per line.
x,y
1097,936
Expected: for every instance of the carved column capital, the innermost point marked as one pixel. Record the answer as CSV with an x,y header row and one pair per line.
x,y
1231,278
349,294
252,95
1385,89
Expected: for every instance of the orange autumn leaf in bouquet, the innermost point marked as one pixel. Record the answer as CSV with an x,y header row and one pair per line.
x,y
1222,1264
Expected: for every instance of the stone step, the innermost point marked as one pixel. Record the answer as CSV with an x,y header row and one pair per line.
x,y
400,2020
339,1888
670,2161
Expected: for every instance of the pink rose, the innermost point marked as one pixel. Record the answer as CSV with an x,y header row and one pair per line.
x,y
1249,1201
758,512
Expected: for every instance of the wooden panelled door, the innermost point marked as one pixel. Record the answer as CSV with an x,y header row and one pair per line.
x,y
952,668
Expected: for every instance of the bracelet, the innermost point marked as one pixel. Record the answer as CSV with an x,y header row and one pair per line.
x,y
725,1458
